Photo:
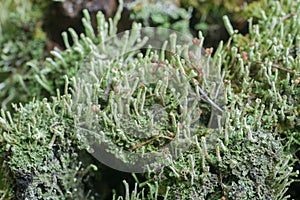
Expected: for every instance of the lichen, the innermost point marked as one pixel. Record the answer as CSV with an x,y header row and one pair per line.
x,y
167,14
252,154
23,48
42,151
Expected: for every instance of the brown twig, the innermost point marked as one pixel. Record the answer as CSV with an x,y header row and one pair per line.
x,y
288,16
150,140
278,67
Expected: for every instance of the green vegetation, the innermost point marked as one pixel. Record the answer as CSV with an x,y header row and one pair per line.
x,y
23,46
165,14
254,154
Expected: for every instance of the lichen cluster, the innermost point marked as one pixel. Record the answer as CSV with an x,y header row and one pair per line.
x,y
98,84
42,150
167,14
23,46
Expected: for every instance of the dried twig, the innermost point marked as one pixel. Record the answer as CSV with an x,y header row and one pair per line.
x,y
278,67
288,16
150,140
210,101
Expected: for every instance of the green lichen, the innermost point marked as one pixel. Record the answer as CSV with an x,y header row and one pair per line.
x,y
268,63
42,151
253,155
167,14
223,171
23,48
